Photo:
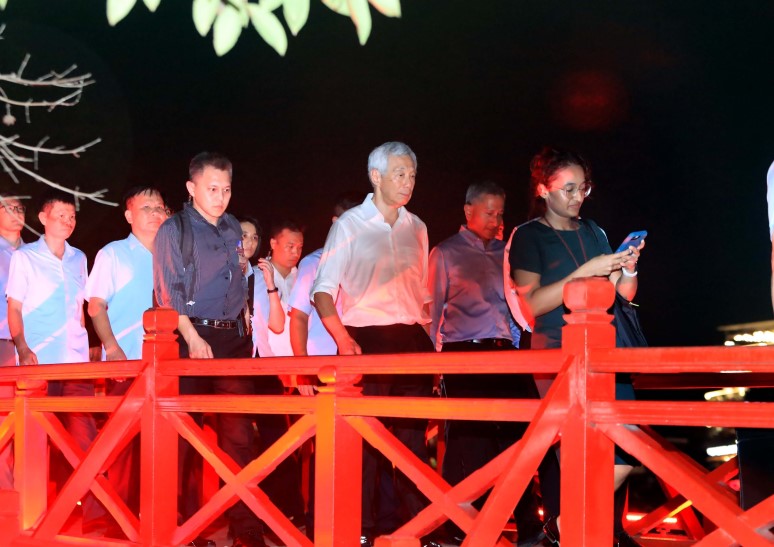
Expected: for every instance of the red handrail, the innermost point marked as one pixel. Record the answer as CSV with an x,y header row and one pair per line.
x,y
580,410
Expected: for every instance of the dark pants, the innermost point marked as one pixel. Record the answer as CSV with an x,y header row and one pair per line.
x,y
472,444
411,432
235,431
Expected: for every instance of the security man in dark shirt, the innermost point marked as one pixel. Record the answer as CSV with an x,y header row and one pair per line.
x,y
208,290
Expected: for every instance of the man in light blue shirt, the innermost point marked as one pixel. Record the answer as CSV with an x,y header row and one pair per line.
x,y
45,316
119,290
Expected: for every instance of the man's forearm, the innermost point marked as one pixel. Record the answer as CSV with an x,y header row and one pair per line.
x,y
101,322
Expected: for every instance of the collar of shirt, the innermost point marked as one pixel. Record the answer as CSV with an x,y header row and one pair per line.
x,y
133,242
373,214
473,239
196,216
6,246
43,248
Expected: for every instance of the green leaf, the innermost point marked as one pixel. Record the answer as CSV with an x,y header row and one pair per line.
x,y
3,3
269,27
243,13
339,6
390,8
152,4
226,30
204,13
361,16
296,13
118,9
270,5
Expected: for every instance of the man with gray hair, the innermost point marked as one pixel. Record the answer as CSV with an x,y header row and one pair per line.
x,y
375,261
469,313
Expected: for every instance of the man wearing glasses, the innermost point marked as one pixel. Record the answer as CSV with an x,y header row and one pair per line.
x,y
11,224
119,290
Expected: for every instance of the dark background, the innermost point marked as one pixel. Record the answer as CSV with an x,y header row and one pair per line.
x,y
669,101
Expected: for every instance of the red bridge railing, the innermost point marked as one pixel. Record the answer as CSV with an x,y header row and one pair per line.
x,y
580,411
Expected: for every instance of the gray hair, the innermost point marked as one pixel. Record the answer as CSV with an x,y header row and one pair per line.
x,y
485,188
379,156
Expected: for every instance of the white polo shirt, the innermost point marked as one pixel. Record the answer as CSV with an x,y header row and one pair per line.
x,y
123,277
319,341
51,292
378,271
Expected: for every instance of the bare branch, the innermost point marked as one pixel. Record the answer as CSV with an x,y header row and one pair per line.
x,y
15,155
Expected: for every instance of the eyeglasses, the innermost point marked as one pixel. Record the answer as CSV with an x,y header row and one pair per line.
x,y
148,210
584,188
19,209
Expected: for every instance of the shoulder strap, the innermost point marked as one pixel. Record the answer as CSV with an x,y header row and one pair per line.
x,y
185,229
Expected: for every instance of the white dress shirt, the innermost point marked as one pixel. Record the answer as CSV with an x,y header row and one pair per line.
x,y
378,271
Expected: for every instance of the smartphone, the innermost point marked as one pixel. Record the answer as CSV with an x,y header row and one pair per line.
x,y
632,240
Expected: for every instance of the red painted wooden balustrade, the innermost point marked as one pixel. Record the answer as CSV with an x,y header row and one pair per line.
x,y
580,410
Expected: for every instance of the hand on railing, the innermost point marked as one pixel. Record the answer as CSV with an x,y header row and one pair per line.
x,y
27,356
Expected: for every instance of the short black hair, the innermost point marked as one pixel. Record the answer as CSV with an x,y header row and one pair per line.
x,y
141,190
55,196
287,224
203,160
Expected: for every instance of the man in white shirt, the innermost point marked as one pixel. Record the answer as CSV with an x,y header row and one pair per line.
x,y
287,243
375,261
45,315
11,224
119,290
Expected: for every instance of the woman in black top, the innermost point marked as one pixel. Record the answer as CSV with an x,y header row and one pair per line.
x,y
554,247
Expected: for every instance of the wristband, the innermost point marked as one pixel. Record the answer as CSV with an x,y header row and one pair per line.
x,y
628,274
276,289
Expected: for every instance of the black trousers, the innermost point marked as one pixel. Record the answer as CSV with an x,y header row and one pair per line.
x,y
411,432
235,431
472,444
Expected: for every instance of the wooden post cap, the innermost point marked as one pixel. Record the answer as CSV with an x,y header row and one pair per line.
x,y
589,295
159,320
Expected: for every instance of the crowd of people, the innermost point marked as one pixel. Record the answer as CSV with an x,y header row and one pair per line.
x,y
374,287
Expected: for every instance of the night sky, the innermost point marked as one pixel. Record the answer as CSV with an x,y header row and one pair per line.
x,y
669,101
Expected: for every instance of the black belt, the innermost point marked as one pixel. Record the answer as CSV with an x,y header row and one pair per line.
x,y
492,342
215,323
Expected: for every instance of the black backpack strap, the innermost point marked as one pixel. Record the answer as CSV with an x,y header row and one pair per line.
x,y
251,291
183,223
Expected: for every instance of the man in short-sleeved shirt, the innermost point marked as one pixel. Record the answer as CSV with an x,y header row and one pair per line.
x,y
287,242
45,315
119,290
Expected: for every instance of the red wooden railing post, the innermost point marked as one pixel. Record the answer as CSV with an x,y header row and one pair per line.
x,y
158,445
586,454
30,455
338,465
